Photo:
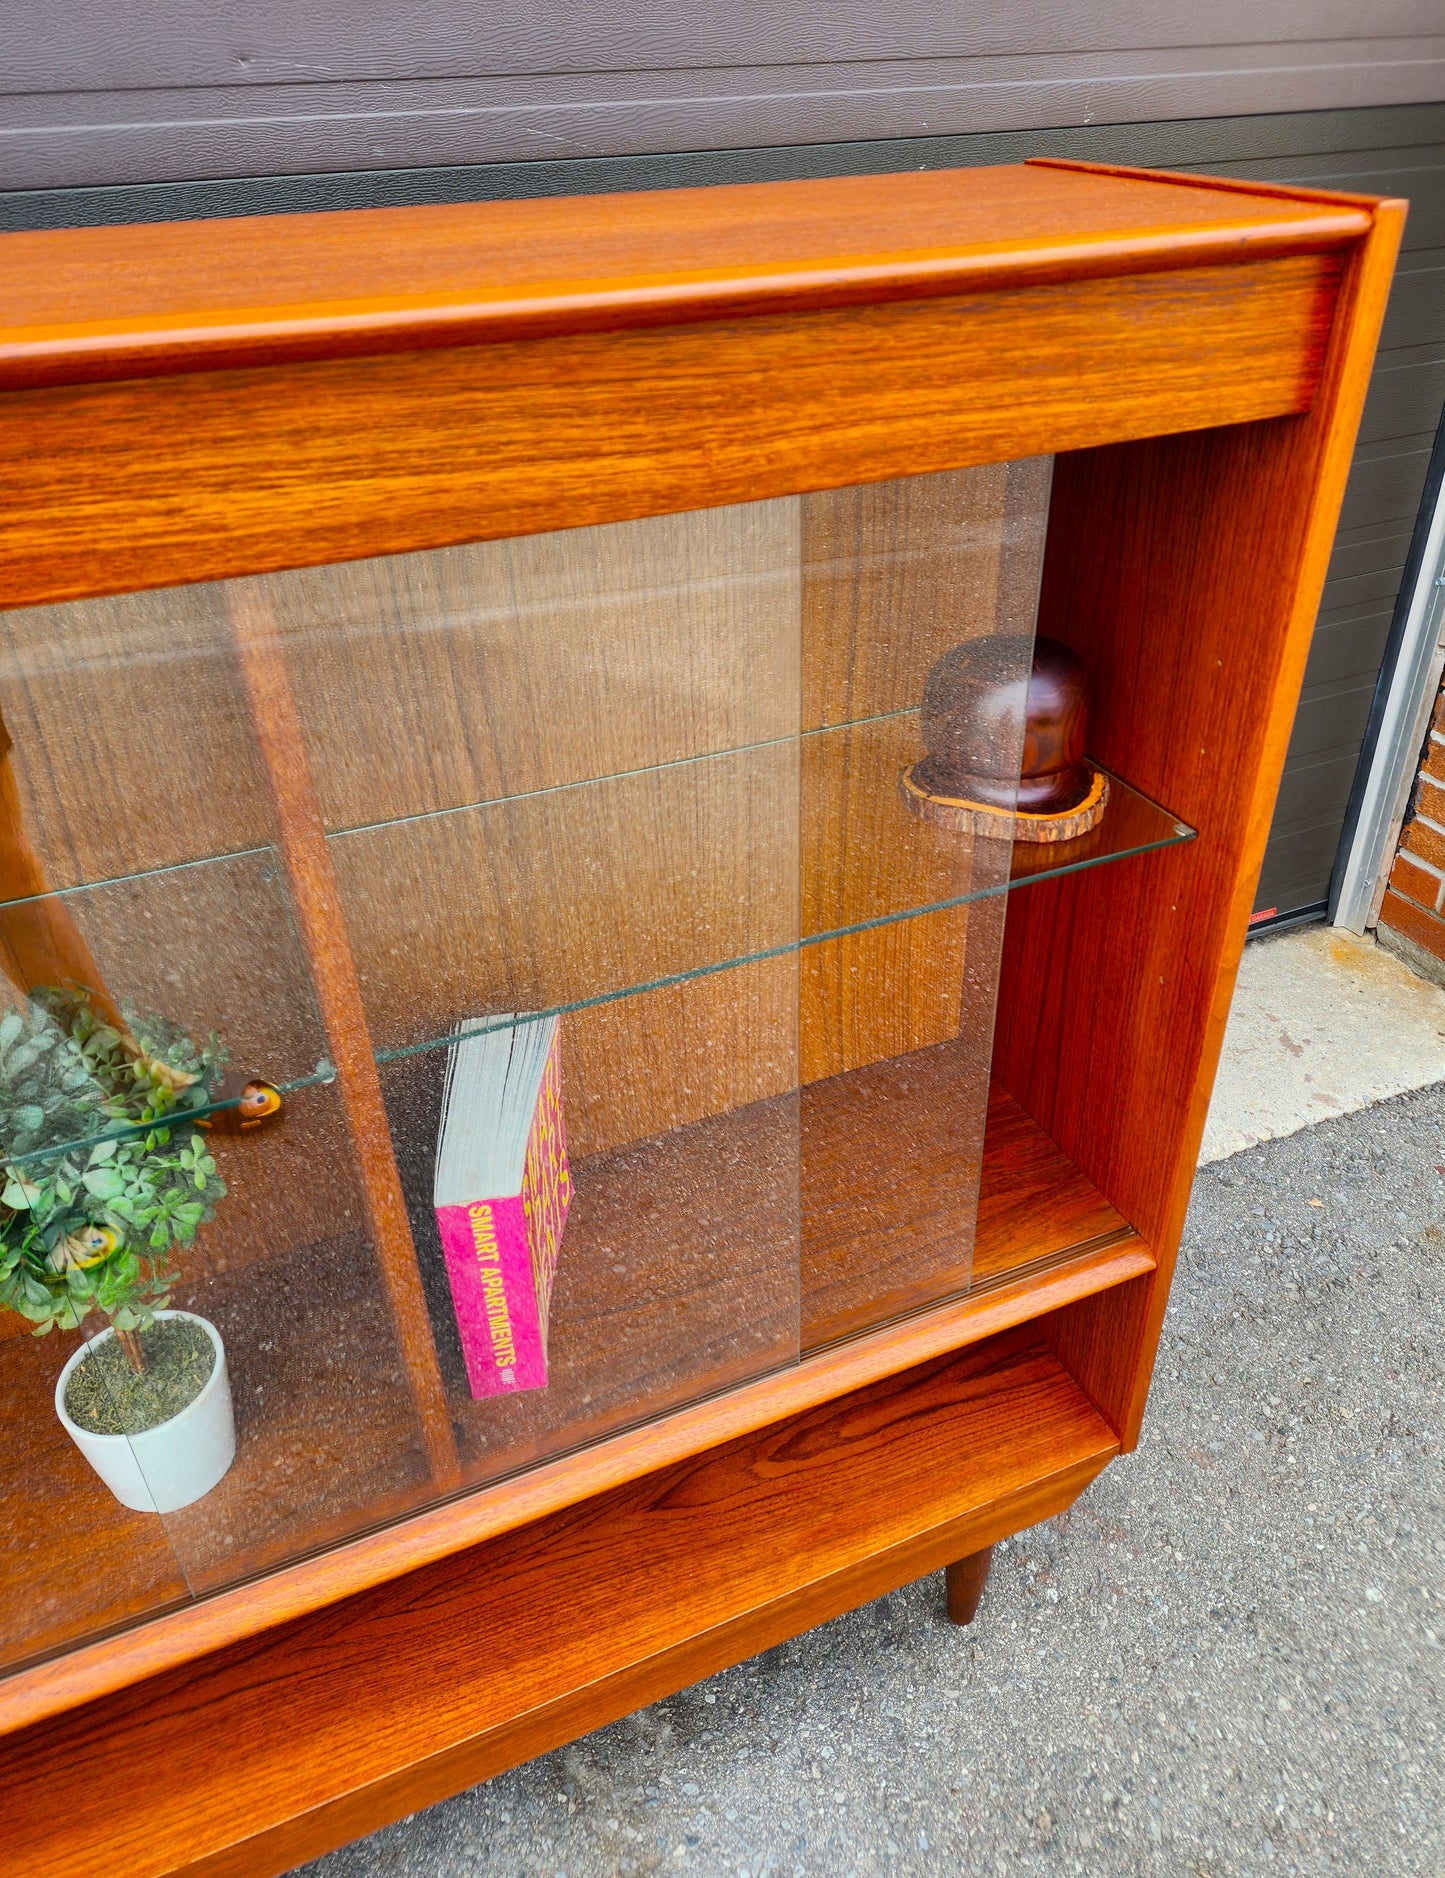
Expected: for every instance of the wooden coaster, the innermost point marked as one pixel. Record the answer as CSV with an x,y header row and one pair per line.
x,y
978,818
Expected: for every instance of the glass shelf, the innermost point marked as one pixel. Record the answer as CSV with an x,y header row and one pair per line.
x,y
255,906
880,868
1132,824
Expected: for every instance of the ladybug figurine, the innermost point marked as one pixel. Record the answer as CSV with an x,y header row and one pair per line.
x,y
246,1104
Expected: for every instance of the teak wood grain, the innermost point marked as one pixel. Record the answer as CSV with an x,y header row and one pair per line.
x,y
1196,625
101,807
466,675
455,1671
184,295
49,1495
895,573
1208,407
901,1206
206,474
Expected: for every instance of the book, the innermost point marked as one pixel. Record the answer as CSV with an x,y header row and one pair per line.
x,y
501,1192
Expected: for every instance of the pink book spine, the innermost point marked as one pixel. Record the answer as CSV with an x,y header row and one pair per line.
x,y
494,1291
547,1182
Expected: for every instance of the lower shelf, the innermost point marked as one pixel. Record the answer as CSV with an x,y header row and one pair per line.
x,y
421,1687
328,1441
680,1274
1032,1204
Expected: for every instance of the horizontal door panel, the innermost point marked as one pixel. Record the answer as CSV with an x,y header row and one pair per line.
x,y
210,474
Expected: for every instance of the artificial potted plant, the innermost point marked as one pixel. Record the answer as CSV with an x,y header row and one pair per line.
x,y
107,1173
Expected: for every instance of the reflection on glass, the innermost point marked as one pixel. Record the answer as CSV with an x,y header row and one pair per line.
x,y
608,830
647,780
176,1183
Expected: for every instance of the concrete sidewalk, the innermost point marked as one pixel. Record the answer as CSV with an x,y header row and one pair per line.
x,y
1322,1023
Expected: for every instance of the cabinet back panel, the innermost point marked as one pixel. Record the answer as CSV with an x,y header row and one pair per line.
x,y
132,741
427,681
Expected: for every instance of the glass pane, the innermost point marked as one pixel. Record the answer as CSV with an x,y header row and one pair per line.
x,y
636,882
581,797
661,755
898,1011
127,757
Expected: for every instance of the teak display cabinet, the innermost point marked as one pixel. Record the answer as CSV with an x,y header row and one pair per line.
x,y
416,617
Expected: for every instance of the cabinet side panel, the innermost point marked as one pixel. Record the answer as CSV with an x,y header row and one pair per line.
x,y
1186,571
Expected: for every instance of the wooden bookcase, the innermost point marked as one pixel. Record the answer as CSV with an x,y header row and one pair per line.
x,y
213,412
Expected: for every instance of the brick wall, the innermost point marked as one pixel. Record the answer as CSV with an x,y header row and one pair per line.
x,y
1414,903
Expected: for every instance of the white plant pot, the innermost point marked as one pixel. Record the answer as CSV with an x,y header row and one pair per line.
x,y
167,1467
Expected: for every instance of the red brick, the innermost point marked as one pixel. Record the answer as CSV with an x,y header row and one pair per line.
x,y
1415,882
1437,722
1424,842
1434,763
1414,923
1431,802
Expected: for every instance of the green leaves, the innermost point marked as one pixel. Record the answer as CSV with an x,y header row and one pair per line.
x,y
46,1094
64,1073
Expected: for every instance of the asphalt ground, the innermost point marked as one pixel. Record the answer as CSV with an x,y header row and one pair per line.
x,y
1225,1660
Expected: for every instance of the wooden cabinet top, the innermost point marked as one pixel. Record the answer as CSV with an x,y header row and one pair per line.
x,y
122,301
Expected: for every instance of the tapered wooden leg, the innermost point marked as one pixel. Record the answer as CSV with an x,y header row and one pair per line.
x,y
966,1580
